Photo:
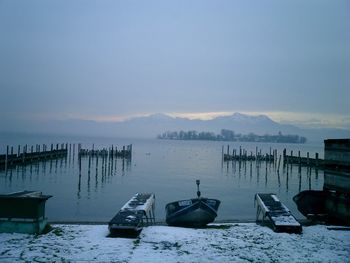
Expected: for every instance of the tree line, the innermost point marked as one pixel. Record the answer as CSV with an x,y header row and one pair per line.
x,y
228,135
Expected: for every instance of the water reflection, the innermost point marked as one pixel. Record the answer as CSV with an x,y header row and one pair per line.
x,y
99,171
271,176
92,173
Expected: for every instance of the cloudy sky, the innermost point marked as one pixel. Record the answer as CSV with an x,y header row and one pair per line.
x,y
109,60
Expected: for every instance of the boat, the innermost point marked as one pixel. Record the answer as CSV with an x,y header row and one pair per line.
x,y
195,212
311,203
278,216
133,216
326,205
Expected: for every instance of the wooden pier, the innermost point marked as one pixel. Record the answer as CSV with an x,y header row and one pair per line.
x,y
303,161
112,152
243,155
277,213
133,216
27,156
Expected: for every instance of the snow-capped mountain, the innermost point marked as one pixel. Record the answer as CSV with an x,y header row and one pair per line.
x,y
152,125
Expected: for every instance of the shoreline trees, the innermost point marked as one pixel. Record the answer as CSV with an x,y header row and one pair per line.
x,y
228,135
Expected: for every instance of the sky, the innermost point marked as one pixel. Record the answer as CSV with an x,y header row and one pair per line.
x,y
110,60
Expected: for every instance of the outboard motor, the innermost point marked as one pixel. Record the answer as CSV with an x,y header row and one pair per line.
x,y
198,192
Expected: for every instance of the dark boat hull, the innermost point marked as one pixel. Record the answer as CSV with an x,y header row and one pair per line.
x,y
136,213
311,202
333,207
196,212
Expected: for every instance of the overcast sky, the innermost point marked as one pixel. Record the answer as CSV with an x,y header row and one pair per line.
x,y
106,60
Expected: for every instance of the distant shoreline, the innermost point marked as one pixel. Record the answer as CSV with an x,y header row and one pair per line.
x,y
230,136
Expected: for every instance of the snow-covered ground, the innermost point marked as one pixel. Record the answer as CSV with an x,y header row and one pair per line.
x,y
243,242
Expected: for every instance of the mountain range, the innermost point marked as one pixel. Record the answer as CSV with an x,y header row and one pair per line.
x,y
152,125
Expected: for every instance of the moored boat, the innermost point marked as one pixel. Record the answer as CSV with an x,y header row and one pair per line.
x,y
311,203
330,206
133,216
195,212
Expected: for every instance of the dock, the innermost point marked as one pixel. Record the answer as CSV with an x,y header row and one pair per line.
x,y
277,213
28,156
112,152
133,216
307,161
244,155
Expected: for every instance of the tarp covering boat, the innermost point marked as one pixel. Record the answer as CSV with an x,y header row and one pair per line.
x,y
133,216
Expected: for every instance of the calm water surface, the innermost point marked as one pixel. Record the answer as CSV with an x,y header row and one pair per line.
x,y
167,168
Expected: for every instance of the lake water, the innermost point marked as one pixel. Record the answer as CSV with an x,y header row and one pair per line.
x,y
167,168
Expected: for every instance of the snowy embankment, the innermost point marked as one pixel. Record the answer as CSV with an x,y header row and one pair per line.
x,y
244,242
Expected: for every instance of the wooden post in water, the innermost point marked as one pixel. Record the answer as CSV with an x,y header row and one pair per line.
x,y
89,164
308,159
276,156
6,157
316,157
279,162
24,152
79,159
96,163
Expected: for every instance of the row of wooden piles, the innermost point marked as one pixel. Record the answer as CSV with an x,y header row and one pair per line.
x,y
26,155
303,161
243,155
111,152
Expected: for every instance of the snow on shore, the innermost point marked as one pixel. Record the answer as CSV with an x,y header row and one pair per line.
x,y
244,242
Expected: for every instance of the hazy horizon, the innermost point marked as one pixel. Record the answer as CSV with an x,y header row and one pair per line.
x,y
108,61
